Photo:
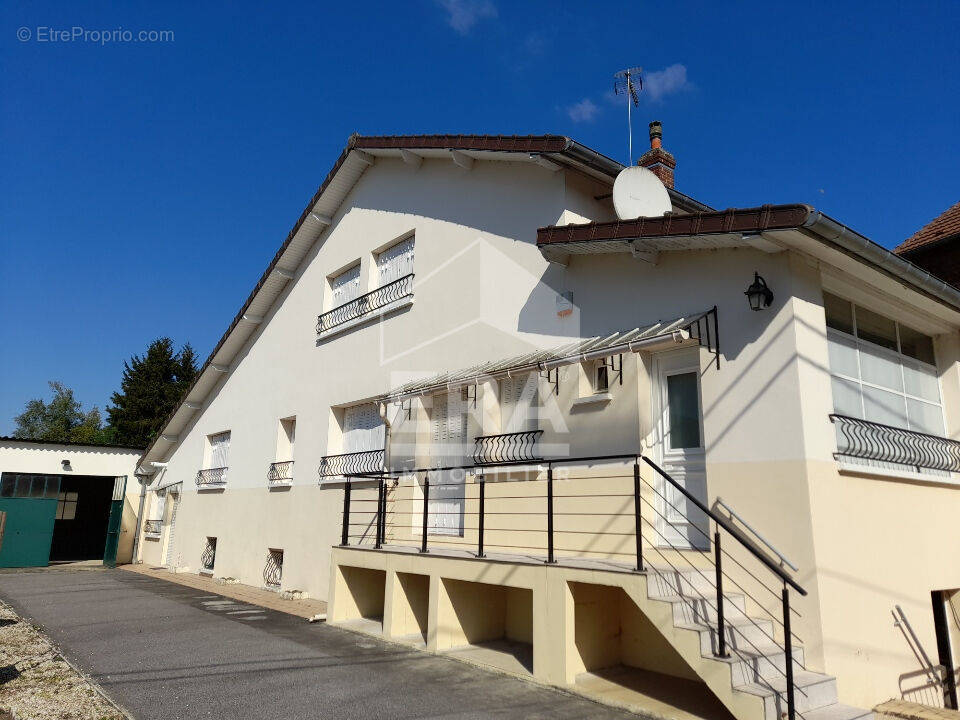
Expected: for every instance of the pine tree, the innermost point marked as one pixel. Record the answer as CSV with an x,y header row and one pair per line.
x,y
61,420
152,386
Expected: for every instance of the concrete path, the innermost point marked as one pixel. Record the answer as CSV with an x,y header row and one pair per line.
x,y
237,591
168,651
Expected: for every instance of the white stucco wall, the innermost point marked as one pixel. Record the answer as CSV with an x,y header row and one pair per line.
x,y
483,292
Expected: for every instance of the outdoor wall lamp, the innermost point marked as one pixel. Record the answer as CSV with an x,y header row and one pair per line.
x,y
66,464
759,295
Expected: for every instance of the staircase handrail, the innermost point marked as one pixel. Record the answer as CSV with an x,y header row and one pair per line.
x,y
726,525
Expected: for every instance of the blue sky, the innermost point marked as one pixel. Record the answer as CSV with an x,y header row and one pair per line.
x,y
146,185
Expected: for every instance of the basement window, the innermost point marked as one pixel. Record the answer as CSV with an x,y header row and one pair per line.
x,y
209,555
273,570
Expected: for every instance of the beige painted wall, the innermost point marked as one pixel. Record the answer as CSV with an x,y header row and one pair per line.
x,y
46,458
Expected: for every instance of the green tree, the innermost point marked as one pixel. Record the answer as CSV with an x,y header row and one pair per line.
x,y
152,386
62,419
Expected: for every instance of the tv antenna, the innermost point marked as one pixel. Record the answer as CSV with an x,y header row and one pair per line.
x,y
629,82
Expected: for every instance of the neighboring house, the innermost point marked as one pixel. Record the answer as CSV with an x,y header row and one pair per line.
x,y
936,246
66,502
446,406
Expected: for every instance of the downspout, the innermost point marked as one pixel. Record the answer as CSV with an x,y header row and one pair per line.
x,y
144,481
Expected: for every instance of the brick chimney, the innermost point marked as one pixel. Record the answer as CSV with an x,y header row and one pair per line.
x,y
656,159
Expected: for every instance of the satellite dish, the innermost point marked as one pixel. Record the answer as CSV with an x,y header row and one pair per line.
x,y
637,192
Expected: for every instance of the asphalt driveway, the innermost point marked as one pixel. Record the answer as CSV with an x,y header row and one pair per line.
x,y
167,651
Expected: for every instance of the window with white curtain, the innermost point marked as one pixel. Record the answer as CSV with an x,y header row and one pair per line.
x,y
345,286
219,450
395,262
362,428
518,403
881,370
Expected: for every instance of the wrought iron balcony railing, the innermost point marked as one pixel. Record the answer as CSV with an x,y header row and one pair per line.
x,y
152,527
866,440
367,303
280,473
212,477
507,448
356,463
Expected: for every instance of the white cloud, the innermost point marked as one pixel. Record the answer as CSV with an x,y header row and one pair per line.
x,y
462,15
660,83
583,111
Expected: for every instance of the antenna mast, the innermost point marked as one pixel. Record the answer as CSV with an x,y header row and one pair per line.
x,y
629,82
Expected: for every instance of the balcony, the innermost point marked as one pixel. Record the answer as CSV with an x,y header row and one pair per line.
x,y
383,298
507,448
863,440
212,478
355,463
280,473
152,528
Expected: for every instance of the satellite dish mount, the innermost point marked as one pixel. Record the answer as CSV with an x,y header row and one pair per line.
x,y
629,82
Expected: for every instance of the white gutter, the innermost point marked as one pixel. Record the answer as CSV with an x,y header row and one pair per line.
x,y
853,243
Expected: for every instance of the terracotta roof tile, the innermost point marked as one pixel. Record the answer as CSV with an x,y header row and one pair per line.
x,y
943,226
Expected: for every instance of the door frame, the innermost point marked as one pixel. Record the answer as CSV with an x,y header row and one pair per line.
x,y
666,364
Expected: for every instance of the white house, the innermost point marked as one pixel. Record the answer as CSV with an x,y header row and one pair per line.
x,y
476,412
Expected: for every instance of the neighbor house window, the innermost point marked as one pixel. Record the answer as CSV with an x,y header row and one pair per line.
x,y
345,286
881,370
395,262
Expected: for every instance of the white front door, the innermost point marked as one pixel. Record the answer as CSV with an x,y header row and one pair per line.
x,y
679,415
449,425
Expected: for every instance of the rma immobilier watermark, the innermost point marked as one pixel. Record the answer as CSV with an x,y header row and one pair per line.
x,y
77,33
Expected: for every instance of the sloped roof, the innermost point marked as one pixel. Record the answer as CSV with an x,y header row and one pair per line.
x,y
945,225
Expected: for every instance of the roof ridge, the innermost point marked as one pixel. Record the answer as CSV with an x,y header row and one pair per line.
x,y
943,226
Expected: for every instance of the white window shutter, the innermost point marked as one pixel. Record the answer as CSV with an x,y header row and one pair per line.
x,y
346,286
219,450
362,429
518,398
395,262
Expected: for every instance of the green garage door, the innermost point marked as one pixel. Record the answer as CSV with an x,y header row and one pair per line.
x,y
30,502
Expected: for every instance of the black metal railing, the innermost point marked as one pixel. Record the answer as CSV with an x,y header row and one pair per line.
x,y
273,569
212,477
635,527
367,303
352,464
280,472
866,440
152,527
509,447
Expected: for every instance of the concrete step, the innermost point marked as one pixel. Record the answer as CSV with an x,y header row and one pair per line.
x,y
838,711
811,691
704,610
768,661
666,581
743,633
